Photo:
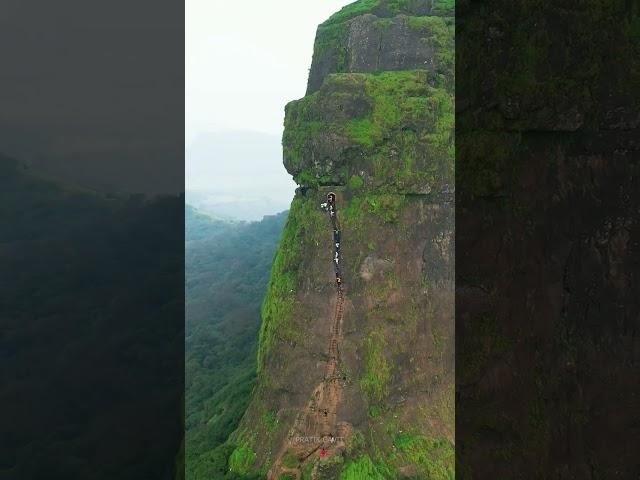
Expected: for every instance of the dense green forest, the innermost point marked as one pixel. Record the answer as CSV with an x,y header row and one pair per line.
x,y
227,268
91,350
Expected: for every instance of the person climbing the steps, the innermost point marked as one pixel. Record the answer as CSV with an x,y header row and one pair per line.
x,y
331,201
328,393
330,207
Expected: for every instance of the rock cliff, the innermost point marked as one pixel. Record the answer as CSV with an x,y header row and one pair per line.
x,y
548,239
356,379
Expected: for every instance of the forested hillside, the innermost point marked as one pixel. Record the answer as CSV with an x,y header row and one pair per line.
x,y
227,270
90,331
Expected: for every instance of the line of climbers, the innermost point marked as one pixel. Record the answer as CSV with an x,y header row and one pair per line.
x,y
330,207
333,376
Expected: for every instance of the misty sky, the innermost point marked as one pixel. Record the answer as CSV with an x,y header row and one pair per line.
x,y
93,95
245,60
91,92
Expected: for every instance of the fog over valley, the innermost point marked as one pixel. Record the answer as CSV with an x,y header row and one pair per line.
x,y
237,175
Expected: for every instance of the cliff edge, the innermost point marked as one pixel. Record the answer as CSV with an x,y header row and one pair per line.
x,y
356,350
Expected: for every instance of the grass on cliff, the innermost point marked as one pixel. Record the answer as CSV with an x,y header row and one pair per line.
x,y
397,99
385,206
434,458
352,10
355,182
360,469
431,458
278,305
389,8
439,33
407,133
242,459
436,29
410,7
444,7
290,459
279,301
377,370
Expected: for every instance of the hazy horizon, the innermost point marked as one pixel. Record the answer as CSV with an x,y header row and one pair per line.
x,y
93,97
240,72
237,175
240,69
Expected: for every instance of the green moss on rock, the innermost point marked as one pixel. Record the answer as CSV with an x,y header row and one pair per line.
x,y
382,206
444,8
349,41
355,182
278,305
269,420
392,8
352,10
434,458
242,459
290,459
394,126
361,468
377,369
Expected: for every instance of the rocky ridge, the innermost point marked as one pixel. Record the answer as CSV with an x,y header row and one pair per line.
x,y
376,128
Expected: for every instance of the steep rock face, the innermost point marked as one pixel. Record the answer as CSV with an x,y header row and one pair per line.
x,y
382,35
548,239
357,381
390,130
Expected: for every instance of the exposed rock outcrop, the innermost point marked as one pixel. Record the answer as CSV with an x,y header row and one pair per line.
x,y
368,44
548,192
377,130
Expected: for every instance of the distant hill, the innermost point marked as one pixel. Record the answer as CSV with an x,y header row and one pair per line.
x,y
217,179
199,225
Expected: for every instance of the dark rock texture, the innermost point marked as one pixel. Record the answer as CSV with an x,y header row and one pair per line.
x,y
371,45
391,130
548,240
390,36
